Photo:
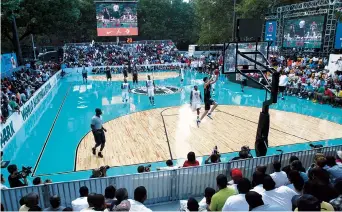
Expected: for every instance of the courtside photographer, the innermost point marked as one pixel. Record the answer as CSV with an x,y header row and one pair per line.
x,y
18,179
100,172
215,157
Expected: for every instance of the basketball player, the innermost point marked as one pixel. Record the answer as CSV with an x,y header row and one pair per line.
x,y
124,71
181,73
108,74
84,74
208,101
214,76
195,102
98,132
135,76
150,89
243,80
125,88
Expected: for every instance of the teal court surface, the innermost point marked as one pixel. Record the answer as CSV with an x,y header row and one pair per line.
x,y
55,139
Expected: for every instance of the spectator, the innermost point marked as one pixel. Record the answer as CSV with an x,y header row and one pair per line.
x,y
236,175
2,186
37,181
81,202
213,158
35,208
67,209
296,181
297,165
91,200
256,203
279,177
324,193
55,202
109,196
140,195
99,203
142,169
261,169
191,160
339,157
243,154
287,168
208,194
14,179
192,204
337,202
277,196
238,202
218,200
122,203
319,175
309,203
31,200
333,168
257,182
169,166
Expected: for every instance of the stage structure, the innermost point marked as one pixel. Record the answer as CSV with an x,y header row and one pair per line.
x,y
305,10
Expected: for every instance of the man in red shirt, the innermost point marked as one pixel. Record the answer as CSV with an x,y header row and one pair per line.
x,y
328,95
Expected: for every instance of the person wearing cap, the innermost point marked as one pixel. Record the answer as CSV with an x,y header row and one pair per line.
x,y
219,199
98,132
236,175
255,202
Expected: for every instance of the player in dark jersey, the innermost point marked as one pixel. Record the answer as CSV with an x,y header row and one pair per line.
x,y
208,101
108,74
135,76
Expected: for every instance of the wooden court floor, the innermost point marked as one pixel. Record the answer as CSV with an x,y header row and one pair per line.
x,y
141,76
153,135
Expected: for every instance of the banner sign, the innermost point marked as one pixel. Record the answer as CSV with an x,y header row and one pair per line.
x,y
271,31
16,120
338,38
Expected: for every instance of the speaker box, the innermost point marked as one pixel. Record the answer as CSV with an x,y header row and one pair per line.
x,y
249,29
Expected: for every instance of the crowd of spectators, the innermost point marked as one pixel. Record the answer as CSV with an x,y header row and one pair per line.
x,y
18,88
289,188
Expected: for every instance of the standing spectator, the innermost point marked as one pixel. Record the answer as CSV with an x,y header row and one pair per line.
x,y
333,168
236,175
277,196
55,202
257,182
256,203
218,200
14,179
109,196
337,202
81,202
279,177
191,160
238,202
283,80
31,201
192,204
140,195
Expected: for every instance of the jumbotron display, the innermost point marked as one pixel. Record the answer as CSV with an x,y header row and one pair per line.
x,y
116,18
305,32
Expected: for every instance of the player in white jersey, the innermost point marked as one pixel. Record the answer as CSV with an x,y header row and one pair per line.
x,y
125,89
214,78
150,86
181,73
195,101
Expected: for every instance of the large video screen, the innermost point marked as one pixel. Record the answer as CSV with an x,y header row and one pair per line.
x,y
8,64
305,32
271,31
116,18
338,38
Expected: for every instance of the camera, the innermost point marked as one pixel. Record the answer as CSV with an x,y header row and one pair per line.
x,y
215,151
316,146
25,171
100,172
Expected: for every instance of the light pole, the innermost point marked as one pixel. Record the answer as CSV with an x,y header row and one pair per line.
x,y
234,17
34,48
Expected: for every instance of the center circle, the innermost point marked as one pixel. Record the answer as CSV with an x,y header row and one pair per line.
x,y
159,90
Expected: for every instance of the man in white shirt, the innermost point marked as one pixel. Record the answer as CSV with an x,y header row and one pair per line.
x,y
283,80
279,177
257,182
140,195
2,186
277,196
238,202
81,202
256,203
169,166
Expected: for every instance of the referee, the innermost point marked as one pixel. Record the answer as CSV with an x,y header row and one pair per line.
x,y
98,132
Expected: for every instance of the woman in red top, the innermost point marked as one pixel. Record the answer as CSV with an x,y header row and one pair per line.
x,y
191,160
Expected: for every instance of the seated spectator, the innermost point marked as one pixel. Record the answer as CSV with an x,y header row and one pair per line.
x,y
328,95
2,186
339,157
337,202
257,182
109,196
81,202
236,175
213,158
142,169
333,168
243,154
13,104
35,208
121,203
319,175
238,202
337,101
55,204
279,177
140,195
296,181
309,203
191,160
99,203
256,203
297,165
308,91
324,193
192,204
31,200
37,181
208,194
277,196
318,96
90,199
169,166
287,168
218,200
14,179
261,168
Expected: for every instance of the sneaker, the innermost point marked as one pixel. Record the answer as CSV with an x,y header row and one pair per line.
x,y
198,122
209,116
94,151
100,155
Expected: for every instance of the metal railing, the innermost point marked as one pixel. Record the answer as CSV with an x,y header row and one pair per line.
x,y
162,186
